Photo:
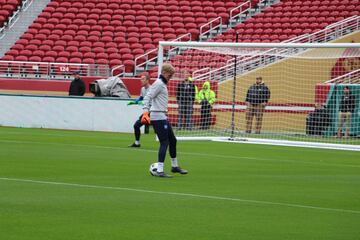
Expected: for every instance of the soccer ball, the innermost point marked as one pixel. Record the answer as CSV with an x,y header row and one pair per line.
x,y
153,169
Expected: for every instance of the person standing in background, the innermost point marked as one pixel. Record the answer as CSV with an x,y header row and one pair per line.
x,y
206,97
257,97
145,86
185,96
77,86
347,107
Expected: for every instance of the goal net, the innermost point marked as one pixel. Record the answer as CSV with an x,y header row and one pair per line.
x,y
273,92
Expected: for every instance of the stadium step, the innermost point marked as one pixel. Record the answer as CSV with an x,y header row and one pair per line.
x,y
223,29
243,17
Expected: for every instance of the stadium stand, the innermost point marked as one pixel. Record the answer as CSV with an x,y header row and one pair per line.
x,y
112,32
282,21
289,19
115,33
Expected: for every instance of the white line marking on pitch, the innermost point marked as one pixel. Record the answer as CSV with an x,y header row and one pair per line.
x,y
184,195
188,153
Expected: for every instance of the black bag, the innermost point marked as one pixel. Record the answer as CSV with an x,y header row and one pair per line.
x,y
94,88
317,122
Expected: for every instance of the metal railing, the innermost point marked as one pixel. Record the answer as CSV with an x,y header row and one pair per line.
x,y
341,21
2,29
13,18
143,61
183,38
350,78
118,71
239,10
213,25
342,27
44,70
200,71
26,4
247,64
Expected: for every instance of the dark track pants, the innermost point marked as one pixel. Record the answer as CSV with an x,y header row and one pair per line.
x,y
166,137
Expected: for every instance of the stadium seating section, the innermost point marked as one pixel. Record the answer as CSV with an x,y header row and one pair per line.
x,y
289,19
7,8
110,31
115,32
282,21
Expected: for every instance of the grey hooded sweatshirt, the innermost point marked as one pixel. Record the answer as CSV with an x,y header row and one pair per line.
x,y
156,99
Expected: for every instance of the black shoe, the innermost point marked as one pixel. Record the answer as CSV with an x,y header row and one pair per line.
x,y
162,175
134,145
178,170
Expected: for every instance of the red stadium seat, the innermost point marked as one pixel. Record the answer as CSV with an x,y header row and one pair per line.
x,y
114,56
48,59
47,47
101,55
75,60
129,66
115,62
98,50
89,55
111,50
17,47
51,54
31,47
21,58
62,59
64,54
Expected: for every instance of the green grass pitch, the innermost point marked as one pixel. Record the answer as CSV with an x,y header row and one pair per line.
x,y
73,185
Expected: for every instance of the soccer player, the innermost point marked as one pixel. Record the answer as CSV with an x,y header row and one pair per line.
x,y
155,102
145,86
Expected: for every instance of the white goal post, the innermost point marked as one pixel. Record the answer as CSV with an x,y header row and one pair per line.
x,y
265,93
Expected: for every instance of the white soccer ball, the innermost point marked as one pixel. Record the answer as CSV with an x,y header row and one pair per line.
x,y
153,168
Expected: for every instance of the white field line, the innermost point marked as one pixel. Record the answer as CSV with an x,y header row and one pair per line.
x,y
344,152
188,153
250,201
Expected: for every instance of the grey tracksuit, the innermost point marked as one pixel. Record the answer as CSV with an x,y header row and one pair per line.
x,y
156,99
144,91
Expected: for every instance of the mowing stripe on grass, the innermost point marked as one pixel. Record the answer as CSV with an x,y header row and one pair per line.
x,y
184,195
188,153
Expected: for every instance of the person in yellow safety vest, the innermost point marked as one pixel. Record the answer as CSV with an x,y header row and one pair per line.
x,y
206,97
